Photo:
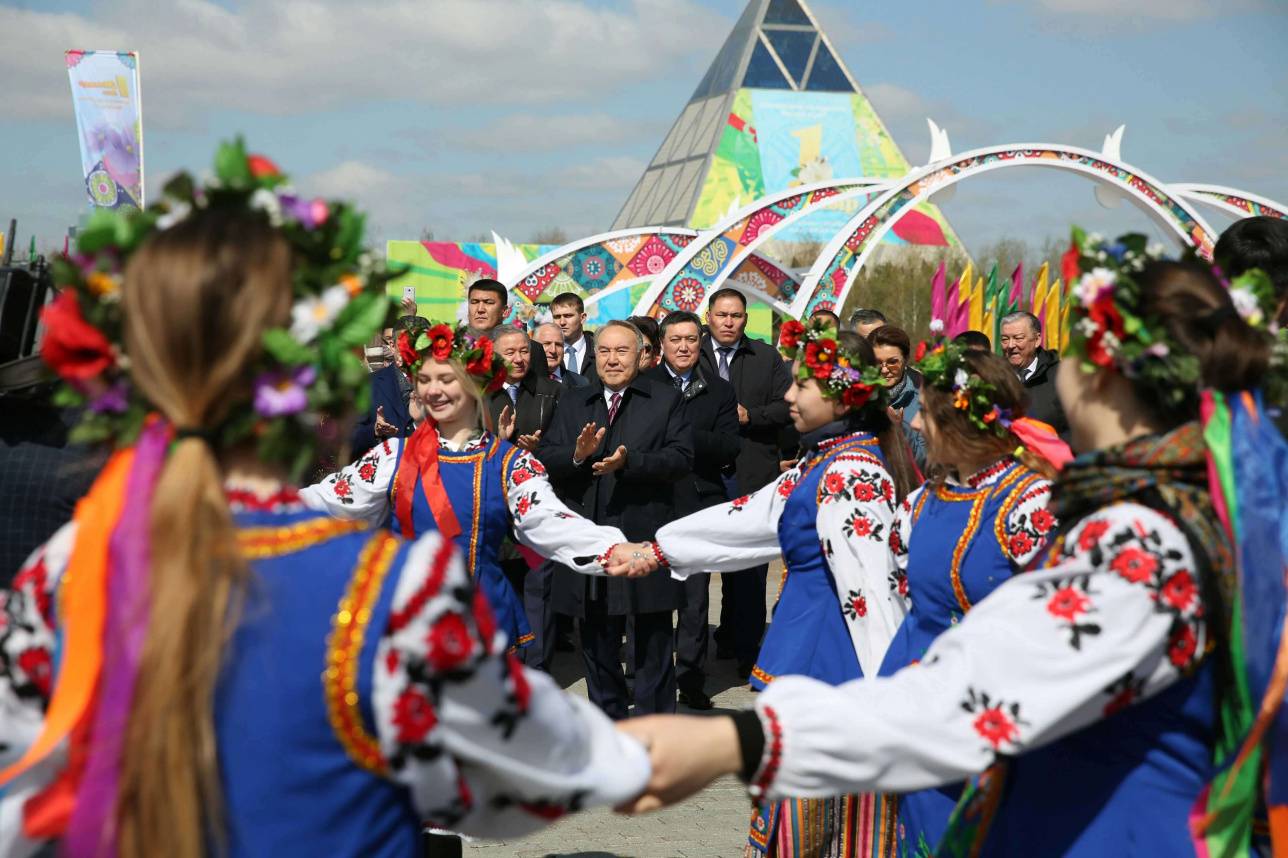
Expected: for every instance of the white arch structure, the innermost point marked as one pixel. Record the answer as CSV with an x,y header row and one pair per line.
x,y
722,249
830,279
1232,201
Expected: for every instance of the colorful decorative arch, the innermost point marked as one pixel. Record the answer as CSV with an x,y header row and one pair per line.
x,y
828,282
725,247
1231,201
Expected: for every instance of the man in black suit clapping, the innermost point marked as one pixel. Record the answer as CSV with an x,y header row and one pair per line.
x,y
760,380
614,453
529,397
711,408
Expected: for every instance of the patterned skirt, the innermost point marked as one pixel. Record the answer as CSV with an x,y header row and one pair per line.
x,y
850,826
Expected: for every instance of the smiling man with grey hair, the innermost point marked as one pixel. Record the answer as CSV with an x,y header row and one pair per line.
x,y
1021,344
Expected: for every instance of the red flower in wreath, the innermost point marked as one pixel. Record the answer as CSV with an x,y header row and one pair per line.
x,y
920,353
856,395
1107,319
790,335
996,727
480,364
1020,544
449,642
1091,534
1068,604
1180,590
834,484
261,167
36,663
72,347
407,351
1135,565
1043,521
440,341
413,716
1182,646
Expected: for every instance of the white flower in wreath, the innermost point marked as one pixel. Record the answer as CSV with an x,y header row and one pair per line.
x,y
178,211
1087,327
310,315
961,379
1093,283
936,326
1155,250
266,201
1247,306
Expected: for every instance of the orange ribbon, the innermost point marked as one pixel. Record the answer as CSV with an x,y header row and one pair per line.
x,y
82,610
420,460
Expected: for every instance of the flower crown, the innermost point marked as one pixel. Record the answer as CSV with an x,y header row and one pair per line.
x,y
1108,328
441,342
305,370
944,367
837,372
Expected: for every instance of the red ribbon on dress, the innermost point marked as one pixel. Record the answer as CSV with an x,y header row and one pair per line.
x,y
420,462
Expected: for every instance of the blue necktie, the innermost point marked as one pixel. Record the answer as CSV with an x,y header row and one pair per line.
x,y
724,361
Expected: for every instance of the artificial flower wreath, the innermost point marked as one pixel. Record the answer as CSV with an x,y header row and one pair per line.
x,y
442,342
838,373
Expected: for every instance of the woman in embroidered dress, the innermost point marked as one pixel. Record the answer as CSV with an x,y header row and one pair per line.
x,y
980,519
830,518
1100,690
455,477
235,673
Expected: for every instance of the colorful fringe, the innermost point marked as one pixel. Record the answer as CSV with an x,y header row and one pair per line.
x,y
851,826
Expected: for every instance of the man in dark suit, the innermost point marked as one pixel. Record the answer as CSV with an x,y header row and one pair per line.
x,y
569,314
388,415
531,398
1021,345
550,338
711,408
614,453
760,379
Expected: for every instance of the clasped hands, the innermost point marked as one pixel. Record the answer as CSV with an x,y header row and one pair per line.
x,y
631,560
588,442
686,753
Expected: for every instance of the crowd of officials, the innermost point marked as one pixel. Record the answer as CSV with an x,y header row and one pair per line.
x,y
697,419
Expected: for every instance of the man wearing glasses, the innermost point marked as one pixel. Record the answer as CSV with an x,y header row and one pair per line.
x,y
760,379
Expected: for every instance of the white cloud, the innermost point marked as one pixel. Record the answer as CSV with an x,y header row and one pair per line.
x,y
1143,10
295,56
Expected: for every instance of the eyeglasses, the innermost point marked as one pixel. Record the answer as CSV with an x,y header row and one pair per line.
x,y
891,363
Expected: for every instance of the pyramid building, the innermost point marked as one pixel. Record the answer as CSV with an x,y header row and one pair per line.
x,y
776,109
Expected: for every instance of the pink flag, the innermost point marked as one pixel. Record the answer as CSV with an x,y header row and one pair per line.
x,y
960,311
1017,288
938,296
951,300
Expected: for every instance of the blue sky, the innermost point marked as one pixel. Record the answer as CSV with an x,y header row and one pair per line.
x,y
465,116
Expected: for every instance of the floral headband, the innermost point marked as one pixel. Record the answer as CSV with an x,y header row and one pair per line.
x,y
305,370
944,367
837,372
442,342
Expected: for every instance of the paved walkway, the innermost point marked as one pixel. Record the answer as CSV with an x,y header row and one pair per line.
x,y
713,824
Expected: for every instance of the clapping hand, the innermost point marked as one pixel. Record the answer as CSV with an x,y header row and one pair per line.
x,y
608,464
383,428
529,442
631,560
588,442
505,423
686,753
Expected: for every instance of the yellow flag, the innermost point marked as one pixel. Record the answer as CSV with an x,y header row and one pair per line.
x,y
1039,302
977,305
1066,305
1051,321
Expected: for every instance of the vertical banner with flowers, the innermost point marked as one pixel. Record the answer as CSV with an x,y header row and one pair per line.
x,y
109,119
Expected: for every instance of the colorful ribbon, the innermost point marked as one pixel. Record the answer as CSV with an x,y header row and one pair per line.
x,y
420,464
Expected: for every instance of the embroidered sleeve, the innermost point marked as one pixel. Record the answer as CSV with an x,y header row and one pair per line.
x,y
361,490
900,531
544,524
855,517
736,535
27,642
1116,619
1027,523
485,746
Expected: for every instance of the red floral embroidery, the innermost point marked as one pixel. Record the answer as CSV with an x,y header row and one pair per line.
x,y
449,642
342,488
36,663
521,477
1120,701
1135,565
1180,590
484,620
1042,521
862,526
413,716
391,661
887,491
367,471
1068,604
896,541
738,503
1020,544
864,492
899,583
521,508
1091,534
1182,646
34,581
860,606
786,486
522,690
995,727
834,484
